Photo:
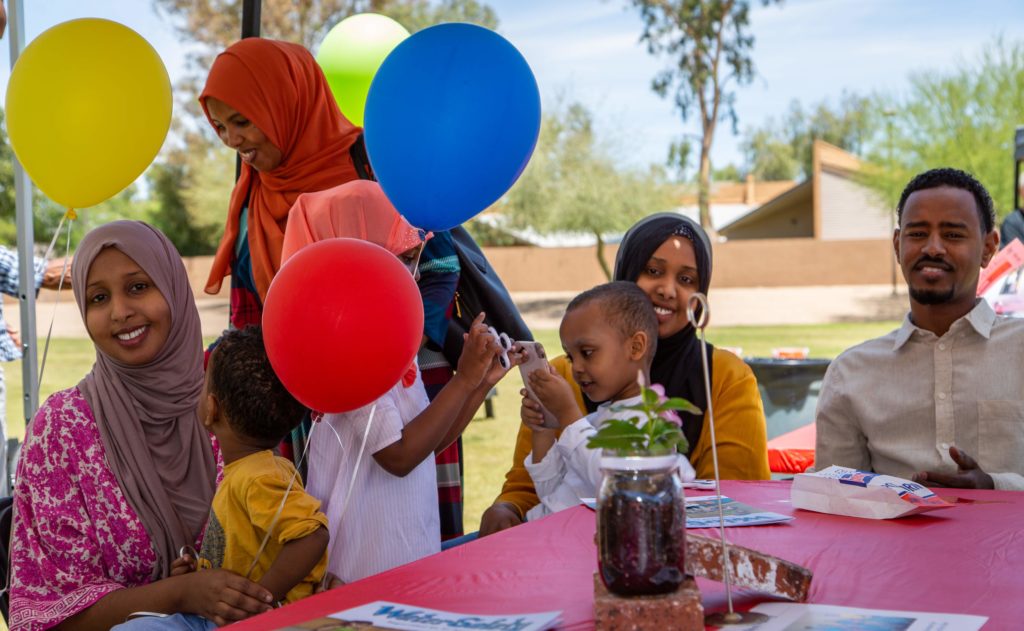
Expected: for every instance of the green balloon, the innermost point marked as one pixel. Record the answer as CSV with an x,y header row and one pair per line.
x,y
351,54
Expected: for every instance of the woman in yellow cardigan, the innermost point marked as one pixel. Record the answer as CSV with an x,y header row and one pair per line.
x,y
669,257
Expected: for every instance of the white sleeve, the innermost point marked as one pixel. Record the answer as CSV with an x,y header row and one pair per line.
x,y
547,475
584,461
685,471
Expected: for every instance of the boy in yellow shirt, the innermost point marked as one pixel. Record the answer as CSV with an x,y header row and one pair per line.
x,y
263,525
249,411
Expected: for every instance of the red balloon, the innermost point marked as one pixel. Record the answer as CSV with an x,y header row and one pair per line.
x,y
342,322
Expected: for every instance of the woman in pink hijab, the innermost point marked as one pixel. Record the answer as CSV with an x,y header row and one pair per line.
x,y
394,484
117,474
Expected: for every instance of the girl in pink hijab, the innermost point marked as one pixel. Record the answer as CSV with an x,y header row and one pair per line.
x,y
395,490
116,473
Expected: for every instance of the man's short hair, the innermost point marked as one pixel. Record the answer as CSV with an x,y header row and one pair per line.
x,y
954,178
248,390
625,307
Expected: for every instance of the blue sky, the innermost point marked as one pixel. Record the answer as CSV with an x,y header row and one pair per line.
x,y
588,50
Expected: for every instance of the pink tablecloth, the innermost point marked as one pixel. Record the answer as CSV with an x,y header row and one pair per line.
x,y
966,559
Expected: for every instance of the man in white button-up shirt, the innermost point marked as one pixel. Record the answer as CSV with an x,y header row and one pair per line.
x,y
950,381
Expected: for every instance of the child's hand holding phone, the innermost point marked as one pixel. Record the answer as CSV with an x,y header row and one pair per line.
x,y
478,353
479,363
557,403
534,359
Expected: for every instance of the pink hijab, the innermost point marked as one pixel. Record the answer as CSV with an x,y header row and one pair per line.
x,y
357,210
147,416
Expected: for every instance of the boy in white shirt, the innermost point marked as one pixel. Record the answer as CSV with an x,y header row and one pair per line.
x,y
609,333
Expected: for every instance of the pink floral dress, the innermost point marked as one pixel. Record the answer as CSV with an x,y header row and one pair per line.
x,y
75,538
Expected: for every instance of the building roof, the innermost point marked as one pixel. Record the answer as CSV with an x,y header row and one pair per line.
x,y
750,192
800,193
825,158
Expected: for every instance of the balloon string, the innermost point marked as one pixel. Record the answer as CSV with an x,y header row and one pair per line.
x,y
70,216
284,499
56,235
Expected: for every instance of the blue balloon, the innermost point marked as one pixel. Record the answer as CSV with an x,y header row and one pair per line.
x,y
452,118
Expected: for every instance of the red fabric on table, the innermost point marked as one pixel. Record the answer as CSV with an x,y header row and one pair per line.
x,y
964,559
539,566
793,452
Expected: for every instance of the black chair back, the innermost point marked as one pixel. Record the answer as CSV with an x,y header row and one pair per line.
x,y
6,516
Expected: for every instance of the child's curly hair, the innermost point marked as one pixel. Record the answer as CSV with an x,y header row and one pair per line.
x,y
248,390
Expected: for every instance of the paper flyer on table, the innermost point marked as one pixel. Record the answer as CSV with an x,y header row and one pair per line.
x,y
388,615
702,512
802,617
853,493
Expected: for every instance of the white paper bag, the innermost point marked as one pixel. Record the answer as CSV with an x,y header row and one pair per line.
x,y
844,491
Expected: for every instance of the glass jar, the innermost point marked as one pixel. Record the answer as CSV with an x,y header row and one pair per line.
x,y
641,525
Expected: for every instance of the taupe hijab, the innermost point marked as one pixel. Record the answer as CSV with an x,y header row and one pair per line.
x,y
147,415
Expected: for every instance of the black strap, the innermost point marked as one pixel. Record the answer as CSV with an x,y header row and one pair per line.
x,y
361,160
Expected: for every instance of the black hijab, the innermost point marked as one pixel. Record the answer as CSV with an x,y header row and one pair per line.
x,y
677,364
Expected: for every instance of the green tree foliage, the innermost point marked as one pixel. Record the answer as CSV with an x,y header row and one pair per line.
x,y
194,178
781,149
710,46
680,152
574,184
963,118
728,173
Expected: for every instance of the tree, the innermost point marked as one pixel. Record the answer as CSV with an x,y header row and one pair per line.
x,y
215,24
678,162
782,150
710,46
195,175
572,184
964,118
769,155
728,173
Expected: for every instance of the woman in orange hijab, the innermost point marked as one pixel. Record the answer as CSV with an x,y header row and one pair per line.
x,y
269,101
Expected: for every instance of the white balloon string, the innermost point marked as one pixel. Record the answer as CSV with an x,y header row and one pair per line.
x,y
699,300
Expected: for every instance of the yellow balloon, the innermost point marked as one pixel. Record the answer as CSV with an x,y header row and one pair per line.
x,y
88,108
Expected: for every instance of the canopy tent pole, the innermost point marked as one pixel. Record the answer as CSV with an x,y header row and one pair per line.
x,y
250,28
26,266
26,240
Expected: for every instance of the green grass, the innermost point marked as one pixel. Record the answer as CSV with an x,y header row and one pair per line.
x,y
488,443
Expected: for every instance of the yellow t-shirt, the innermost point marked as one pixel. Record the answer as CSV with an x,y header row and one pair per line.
x,y
740,430
243,509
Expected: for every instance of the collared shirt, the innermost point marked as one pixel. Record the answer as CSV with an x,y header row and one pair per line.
x,y
895,404
9,279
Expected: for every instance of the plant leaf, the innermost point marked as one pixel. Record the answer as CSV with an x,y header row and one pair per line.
x,y
680,404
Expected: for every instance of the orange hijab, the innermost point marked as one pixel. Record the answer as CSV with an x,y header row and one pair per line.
x,y
280,88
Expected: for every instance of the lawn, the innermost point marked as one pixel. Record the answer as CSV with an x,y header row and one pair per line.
x,y
488,443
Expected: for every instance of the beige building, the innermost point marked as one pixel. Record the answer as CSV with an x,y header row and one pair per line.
x,y
831,205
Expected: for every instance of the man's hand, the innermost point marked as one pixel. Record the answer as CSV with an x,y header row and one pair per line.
x,y
52,274
499,516
970,475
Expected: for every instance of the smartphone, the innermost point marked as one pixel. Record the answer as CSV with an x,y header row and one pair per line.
x,y
535,359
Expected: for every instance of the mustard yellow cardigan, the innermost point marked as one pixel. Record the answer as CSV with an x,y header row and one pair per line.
x,y
739,427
